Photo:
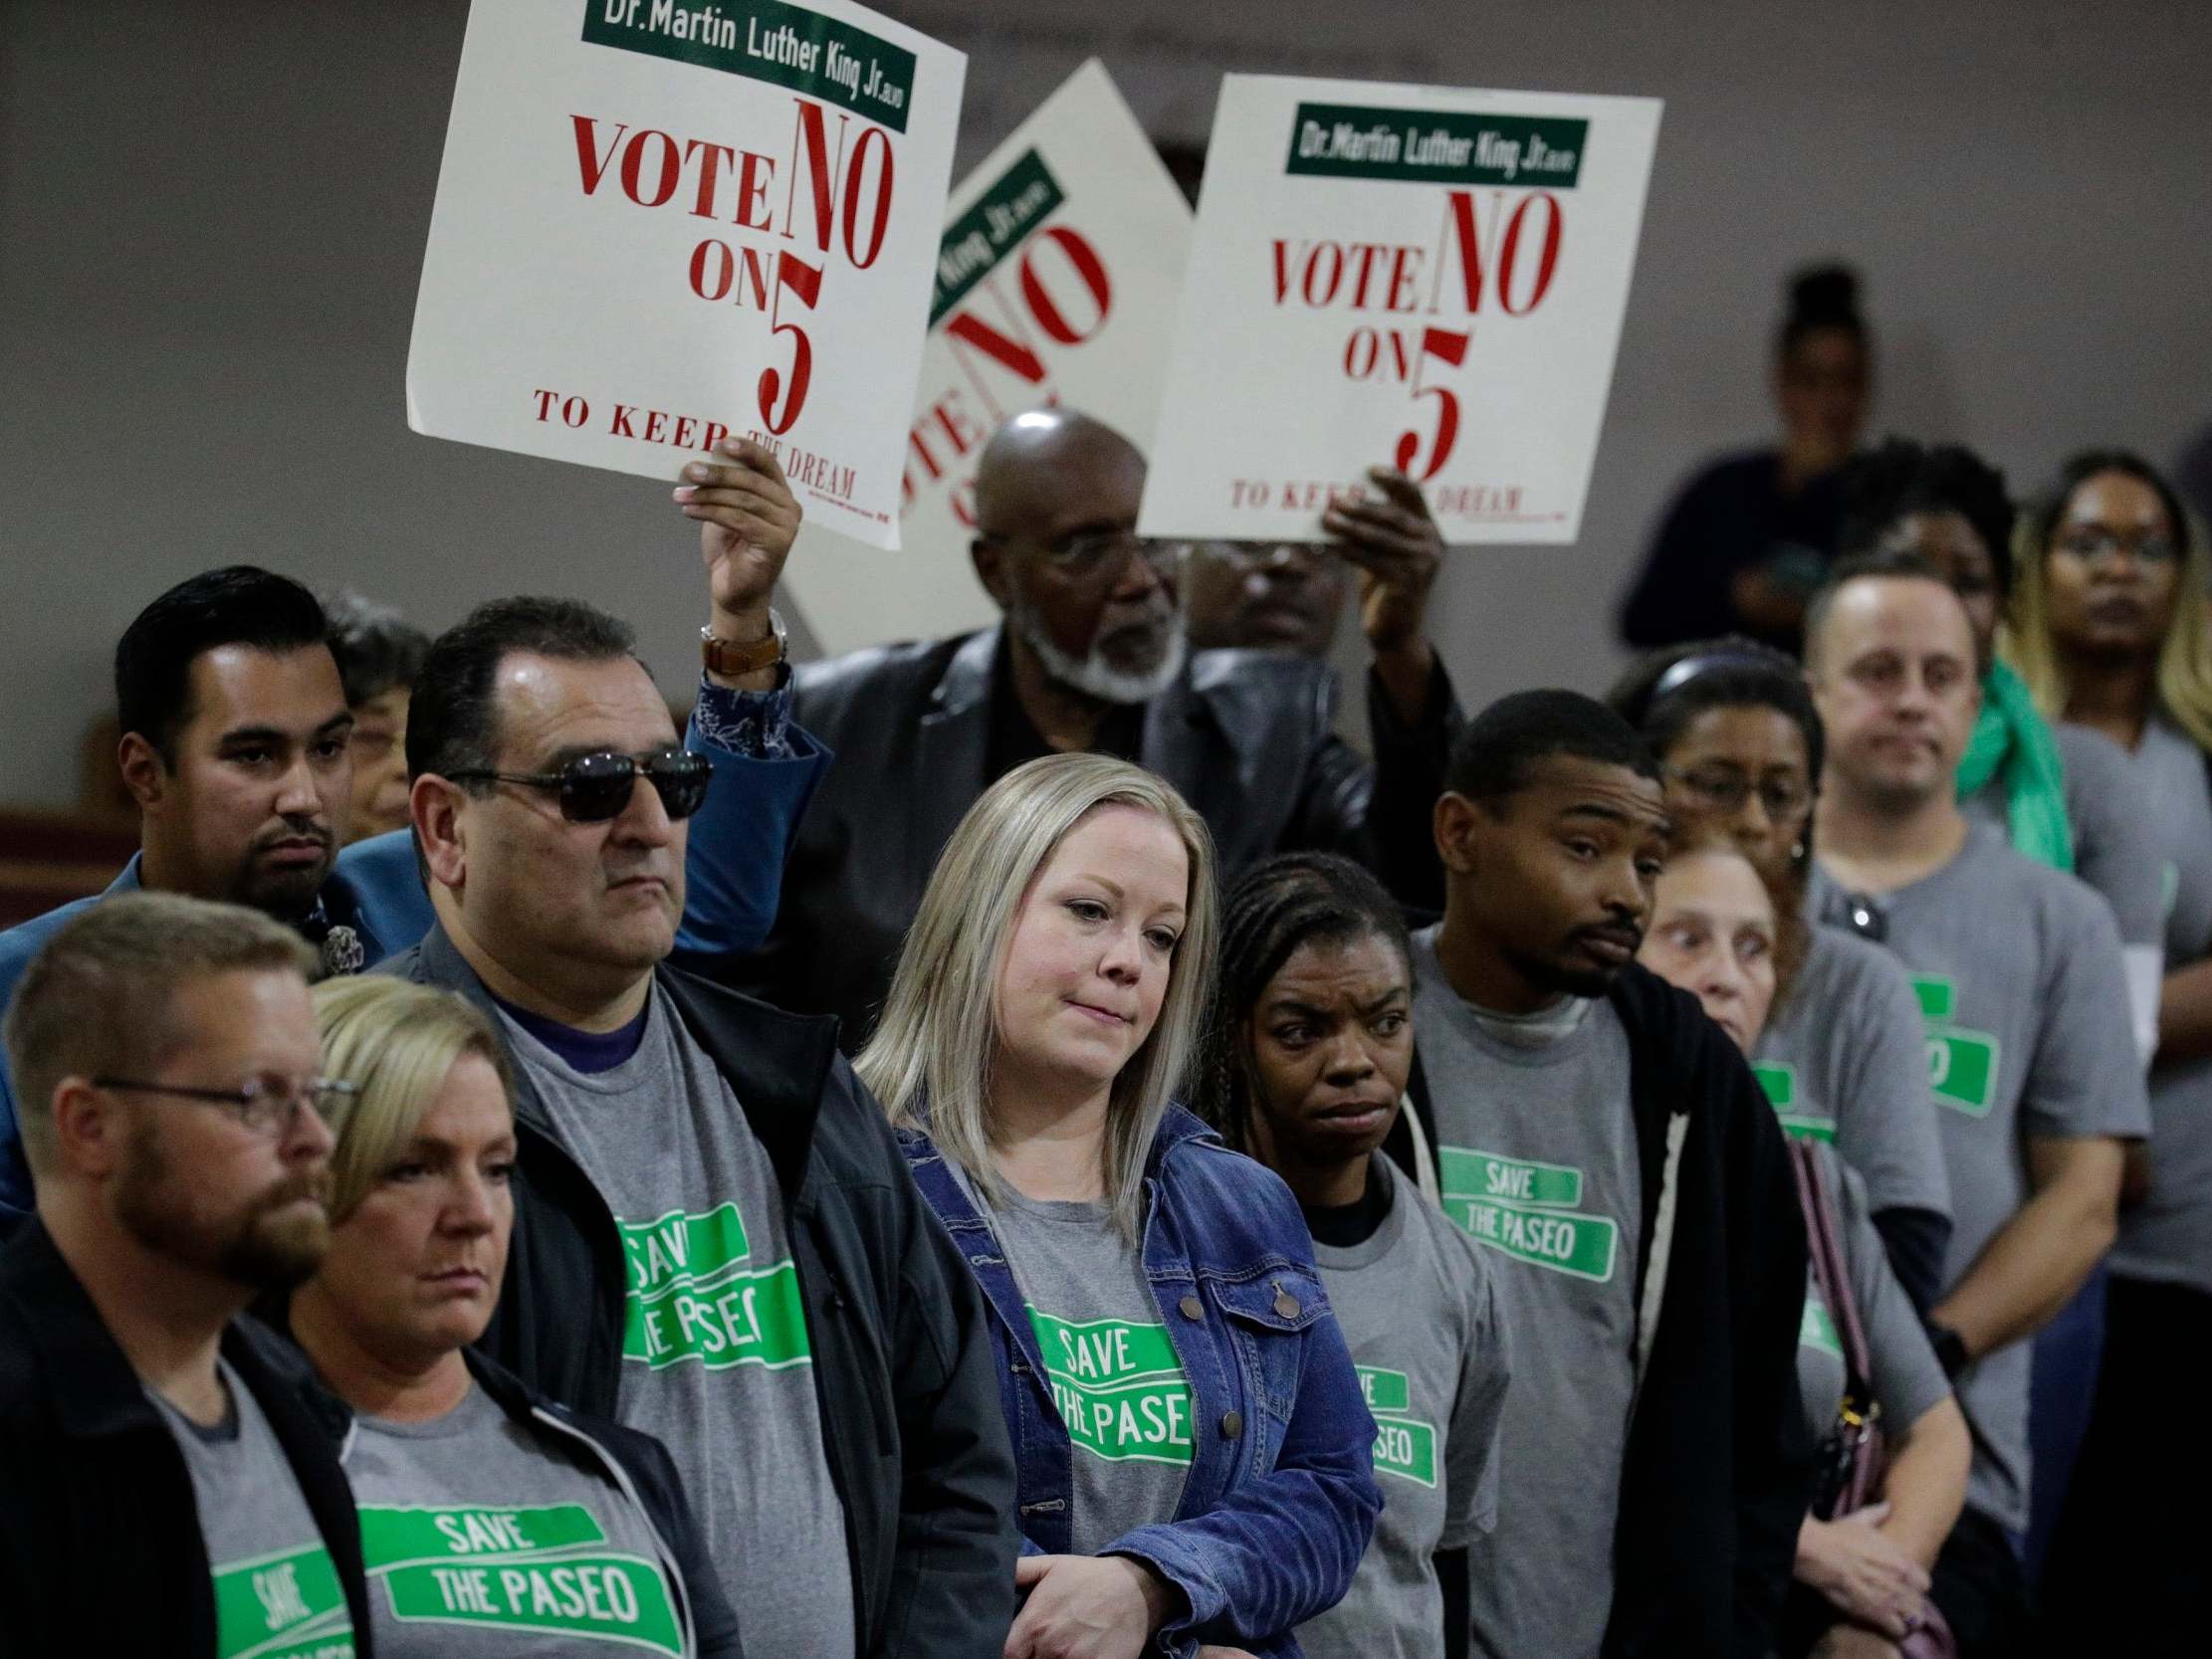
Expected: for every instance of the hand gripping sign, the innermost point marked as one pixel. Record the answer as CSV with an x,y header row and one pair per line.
x,y
657,224
1055,283
1426,278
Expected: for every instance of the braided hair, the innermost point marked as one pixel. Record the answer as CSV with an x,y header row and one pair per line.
x,y
1292,900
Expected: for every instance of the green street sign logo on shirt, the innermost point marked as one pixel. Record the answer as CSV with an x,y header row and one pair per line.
x,y
1778,1078
1119,1387
1525,1211
288,1606
691,1297
1405,1446
1962,1064
530,1570
1816,1330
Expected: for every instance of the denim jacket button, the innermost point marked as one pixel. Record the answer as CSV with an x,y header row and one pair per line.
x,y
1190,1307
1286,1305
1232,1424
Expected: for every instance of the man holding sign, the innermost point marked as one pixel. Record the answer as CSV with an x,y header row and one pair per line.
x,y
1092,655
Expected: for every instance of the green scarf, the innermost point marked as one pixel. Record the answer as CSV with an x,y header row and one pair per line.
x,y
2013,741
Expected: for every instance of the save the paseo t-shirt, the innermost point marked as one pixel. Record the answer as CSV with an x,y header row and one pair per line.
x,y
484,1540
277,1592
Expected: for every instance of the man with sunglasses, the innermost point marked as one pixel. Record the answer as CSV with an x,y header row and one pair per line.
x,y
169,1481
2035,1080
716,1240
236,745
1092,653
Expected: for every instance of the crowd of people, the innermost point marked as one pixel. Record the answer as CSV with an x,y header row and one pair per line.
x,y
1030,1144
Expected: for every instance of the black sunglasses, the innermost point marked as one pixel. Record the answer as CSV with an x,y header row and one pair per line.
x,y
596,787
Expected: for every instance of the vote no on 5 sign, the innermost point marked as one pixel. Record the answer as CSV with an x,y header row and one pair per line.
x,y
1406,276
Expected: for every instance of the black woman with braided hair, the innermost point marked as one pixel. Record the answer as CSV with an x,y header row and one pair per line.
x,y
1844,1056
1307,1055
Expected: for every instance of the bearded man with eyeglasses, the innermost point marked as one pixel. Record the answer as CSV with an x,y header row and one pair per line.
x,y
1093,654
716,1241
169,1481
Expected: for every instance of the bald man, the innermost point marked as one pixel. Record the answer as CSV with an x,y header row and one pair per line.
x,y
2033,1079
1092,653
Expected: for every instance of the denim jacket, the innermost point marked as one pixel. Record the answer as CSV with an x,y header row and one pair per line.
x,y
1281,1498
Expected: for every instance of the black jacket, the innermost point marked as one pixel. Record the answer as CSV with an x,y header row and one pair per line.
x,y
1719,1468
101,1551
1245,736
903,1366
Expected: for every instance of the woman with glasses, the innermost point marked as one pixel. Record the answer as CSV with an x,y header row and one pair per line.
x,y
493,1520
1844,1056
2113,629
1307,1055
1864,1551
1194,1457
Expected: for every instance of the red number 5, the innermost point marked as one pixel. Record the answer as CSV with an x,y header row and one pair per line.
x,y
1449,345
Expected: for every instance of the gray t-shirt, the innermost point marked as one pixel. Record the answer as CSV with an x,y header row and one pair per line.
x,y
2115,851
277,1591
481,1539
1116,1376
1538,1157
2167,1237
1417,1310
717,1361
1845,1060
2018,971
1907,1378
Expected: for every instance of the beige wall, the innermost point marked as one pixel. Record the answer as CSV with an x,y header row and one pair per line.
x,y
211,217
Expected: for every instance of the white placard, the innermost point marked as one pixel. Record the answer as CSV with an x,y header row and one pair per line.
x,y
1056,282
1407,275
657,224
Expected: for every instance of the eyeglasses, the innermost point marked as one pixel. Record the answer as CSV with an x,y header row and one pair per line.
x,y
266,1105
596,787
1097,557
1726,791
1244,557
2087,542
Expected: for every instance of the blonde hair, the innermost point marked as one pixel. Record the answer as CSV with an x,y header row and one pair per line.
x,y
930,1059
98,996
2185,655
395,1042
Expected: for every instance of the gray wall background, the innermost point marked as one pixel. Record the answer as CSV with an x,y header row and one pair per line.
x,y
211,217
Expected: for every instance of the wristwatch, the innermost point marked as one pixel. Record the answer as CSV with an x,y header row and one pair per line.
x,y
733,660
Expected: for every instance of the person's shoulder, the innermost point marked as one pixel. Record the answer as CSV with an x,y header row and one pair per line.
x,y
2088,750
18,945
1846,966
1240,1198
830,683
1732,473
2064,907
382,864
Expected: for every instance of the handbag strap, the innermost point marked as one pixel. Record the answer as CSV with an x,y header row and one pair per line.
x,y
1830,1269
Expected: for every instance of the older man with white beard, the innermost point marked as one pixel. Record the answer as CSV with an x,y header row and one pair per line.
x,y
1092,655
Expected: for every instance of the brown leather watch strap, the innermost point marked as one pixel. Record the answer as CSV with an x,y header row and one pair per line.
x,y
733,660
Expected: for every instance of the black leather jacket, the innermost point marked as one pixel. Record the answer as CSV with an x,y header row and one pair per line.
x,y
1245,736
903,1363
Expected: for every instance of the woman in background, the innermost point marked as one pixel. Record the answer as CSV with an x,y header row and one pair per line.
x,y
1749,537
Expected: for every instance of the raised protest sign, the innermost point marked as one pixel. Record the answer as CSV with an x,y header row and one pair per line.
x,y
1056,281
658,224
1407,275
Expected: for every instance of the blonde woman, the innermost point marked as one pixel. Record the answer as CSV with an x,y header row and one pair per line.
x,y
1194,1453
2113,629
492,1521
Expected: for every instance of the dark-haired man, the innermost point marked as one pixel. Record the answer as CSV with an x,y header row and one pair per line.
x,y
716,1240
2036,1082
167,1481
235,721
1093,655
1609,1144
